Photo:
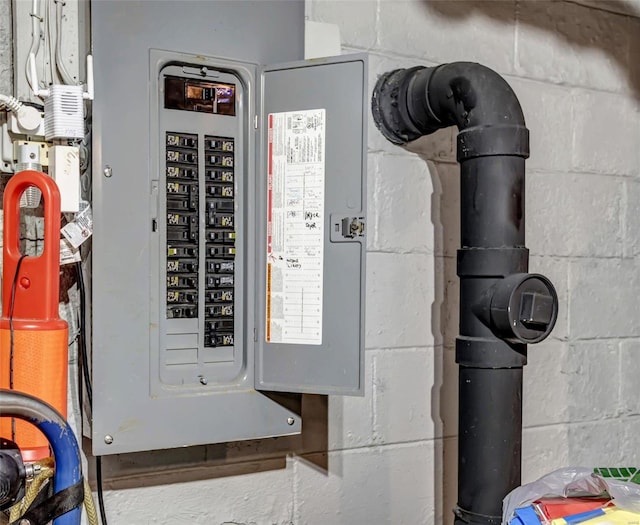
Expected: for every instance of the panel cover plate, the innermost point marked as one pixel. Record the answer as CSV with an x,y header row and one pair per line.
x,y
310,269
134,403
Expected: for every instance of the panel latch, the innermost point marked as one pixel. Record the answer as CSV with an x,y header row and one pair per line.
x,y
347,228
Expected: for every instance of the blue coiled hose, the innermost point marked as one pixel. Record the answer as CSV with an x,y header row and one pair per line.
x,y
68,468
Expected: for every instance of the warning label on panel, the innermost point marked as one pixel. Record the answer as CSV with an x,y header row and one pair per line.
x,y
295,223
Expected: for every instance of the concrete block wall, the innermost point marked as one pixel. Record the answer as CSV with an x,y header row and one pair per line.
x,y
390,457
575,69
6,50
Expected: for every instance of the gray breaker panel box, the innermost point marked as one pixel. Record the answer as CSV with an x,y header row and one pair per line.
x,y
298,168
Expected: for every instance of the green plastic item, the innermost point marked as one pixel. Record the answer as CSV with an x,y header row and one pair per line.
x,y
630,474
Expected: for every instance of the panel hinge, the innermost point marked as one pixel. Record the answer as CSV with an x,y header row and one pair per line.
x,y
347,228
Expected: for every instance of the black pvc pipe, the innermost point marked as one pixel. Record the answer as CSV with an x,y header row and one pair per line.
x,y
501,307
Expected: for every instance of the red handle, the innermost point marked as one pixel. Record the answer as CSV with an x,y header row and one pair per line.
x,y
38,283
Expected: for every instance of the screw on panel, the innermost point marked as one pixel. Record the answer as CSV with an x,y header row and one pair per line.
x,y
203,380
290,421
108,439
107,171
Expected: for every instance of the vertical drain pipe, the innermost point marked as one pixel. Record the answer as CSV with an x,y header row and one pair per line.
x,y
502,307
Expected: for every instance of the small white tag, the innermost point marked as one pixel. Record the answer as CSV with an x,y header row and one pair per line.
x,y
68,254
81,228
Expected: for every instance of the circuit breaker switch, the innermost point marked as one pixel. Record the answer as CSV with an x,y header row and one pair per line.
x,y
220,266
220,175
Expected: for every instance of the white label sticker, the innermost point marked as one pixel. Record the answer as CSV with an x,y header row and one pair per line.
x,y
295,227
68,254
81,228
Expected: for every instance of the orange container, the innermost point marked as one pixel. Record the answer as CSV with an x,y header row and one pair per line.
x,y
37,364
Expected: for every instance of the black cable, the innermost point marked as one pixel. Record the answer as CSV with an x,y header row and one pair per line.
x,y
82,341
39,107
11,349
103,514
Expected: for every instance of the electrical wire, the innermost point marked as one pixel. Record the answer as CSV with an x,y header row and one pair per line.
x,y
10,103
62,69
87,381
11,335
82,340
35,40
50,48
103,514
36,105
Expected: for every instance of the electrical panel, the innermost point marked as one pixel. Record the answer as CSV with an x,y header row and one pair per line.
x,y
200,127
229,230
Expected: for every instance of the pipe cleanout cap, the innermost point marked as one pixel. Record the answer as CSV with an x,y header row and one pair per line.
x,y
392,101
524,308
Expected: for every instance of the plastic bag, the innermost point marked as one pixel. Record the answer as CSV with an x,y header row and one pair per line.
x,y
572,482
